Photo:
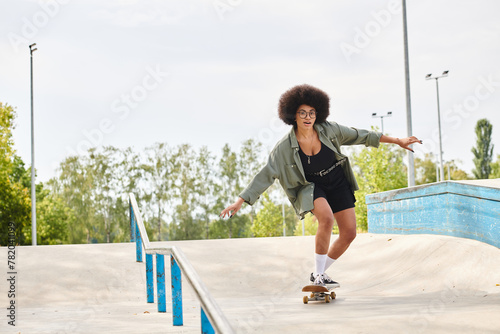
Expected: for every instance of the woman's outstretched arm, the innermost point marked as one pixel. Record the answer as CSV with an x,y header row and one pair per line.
x,y
263,180
403,142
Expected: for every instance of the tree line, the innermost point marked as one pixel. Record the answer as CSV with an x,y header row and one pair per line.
x,y
180,191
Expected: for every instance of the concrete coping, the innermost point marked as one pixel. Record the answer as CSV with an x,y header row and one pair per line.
x,y
484,189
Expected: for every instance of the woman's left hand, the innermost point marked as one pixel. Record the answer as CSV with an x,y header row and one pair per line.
x,y
406,142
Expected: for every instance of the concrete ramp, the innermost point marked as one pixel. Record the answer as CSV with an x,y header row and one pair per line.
x,y
465,209
389,284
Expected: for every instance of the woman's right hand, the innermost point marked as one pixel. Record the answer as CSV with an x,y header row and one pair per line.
x,y
233,208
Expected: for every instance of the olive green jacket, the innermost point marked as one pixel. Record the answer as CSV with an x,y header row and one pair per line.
x,y
284,164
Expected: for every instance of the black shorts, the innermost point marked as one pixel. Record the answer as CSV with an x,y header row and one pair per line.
x,y
338,199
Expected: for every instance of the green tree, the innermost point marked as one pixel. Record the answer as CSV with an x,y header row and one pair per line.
x,y
230,188
495,168
269,220
53,217
74,186
94,186
116,173
377,170
291,219
228,176
128,174
158,173
205,188
425,170
184,226
455,173
483,152
15,202
102,171
249,163
310,226
241,224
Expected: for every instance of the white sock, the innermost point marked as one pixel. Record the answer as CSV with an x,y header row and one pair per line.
x,y
320,262
329,262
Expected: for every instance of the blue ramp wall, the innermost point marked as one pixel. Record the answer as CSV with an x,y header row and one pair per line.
x,y
446,208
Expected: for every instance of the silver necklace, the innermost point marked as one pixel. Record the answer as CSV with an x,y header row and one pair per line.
x,y
309,156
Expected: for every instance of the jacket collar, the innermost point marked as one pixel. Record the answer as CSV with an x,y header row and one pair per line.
x,y
293,138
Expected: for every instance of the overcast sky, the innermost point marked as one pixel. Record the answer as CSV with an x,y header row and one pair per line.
x,y
132,73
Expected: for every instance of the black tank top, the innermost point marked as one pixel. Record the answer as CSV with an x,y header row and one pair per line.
x,y
323,160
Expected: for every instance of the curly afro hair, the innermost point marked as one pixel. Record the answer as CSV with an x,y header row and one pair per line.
x,y
292,99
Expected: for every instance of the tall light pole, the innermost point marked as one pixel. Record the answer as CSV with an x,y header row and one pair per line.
x,y
429,77
33,189
389,114
411,163
437,168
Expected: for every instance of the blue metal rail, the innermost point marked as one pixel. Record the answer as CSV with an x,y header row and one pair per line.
x,y
212,318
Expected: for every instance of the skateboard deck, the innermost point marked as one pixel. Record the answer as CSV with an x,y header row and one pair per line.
x,y
318,293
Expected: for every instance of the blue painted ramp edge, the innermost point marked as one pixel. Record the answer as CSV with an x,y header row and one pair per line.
x,y
446,208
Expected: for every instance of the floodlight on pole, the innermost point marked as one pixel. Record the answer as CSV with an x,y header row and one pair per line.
x,y
33,187
388,114
429,77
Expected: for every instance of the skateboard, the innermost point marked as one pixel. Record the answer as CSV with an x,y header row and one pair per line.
x,y
318,293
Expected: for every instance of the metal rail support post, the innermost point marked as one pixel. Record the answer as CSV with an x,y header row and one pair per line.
x,y
160,282
132,224
176,292
149,278
213,320
138,242
206,326
135,235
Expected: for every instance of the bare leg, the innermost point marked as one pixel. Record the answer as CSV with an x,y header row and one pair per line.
x,y
324,215
346,221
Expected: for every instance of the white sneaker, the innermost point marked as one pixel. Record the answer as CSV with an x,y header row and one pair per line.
x,y
325,279
318,280
329,282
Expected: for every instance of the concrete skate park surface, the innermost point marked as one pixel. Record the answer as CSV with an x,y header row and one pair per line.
x,y
389,284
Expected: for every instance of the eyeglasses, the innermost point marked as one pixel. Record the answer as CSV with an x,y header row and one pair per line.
x,y
303,114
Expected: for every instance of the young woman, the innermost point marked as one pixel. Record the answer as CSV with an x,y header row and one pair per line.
x,y
314,173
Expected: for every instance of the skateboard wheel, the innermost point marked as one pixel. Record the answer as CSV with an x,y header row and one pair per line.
x,y
327,298
333,295
312,295
305,300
